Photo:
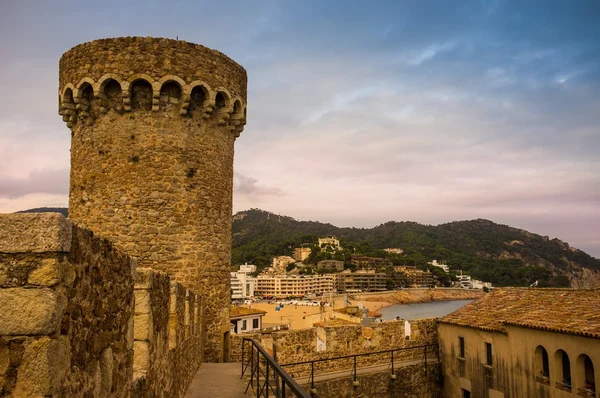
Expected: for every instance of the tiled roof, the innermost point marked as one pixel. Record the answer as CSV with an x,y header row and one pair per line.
x,y
236,311
572,311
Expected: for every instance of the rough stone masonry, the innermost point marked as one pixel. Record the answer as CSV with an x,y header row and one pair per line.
x,y
153,124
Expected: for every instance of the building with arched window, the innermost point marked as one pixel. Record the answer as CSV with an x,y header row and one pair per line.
x,y
523,342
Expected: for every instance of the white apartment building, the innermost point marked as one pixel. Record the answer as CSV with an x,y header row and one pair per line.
x,y
440,265
465,281
294,285
242,284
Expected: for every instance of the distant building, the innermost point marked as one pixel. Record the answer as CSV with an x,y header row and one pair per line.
x,y
302,253
523,342
414,276
330,265
332,242
443,266
393,250
361,281
247,268
466,282
281,286
242,284
365,262
280,263
245,320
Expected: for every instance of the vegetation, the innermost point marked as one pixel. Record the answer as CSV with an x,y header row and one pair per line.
x,y
488,251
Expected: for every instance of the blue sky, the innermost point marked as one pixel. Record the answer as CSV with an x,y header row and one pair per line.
x,y
358,112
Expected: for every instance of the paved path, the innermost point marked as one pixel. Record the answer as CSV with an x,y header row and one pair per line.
x,y
217,380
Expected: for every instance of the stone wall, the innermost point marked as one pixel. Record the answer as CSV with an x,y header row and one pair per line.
x,y
411,381
67,303
168,335
153,125
292,346
78,320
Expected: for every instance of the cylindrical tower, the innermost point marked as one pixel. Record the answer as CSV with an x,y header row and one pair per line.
x,y
153,124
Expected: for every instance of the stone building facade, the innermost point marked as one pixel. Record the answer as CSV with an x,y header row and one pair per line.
x,y
523,343
153,124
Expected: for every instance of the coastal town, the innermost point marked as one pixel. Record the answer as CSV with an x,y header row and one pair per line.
x,y
297,277
295,292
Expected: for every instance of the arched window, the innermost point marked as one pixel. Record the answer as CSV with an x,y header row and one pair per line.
x,y
112,94
170,94
542,366
198,96
86,94
220,100
141,95
564,366
586,381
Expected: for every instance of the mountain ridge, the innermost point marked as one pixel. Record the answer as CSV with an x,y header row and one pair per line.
x,y
469,244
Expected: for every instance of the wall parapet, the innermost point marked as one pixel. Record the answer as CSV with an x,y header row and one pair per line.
x,y
78,319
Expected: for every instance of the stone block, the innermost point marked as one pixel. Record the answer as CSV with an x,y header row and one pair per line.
x,y
46,275
142,327
141,356
30,311
34,233
45,363
142,301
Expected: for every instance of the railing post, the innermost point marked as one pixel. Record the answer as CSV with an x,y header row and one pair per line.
x,y
267,381
282,387
355,368
243,344
392,361
312,375
257,373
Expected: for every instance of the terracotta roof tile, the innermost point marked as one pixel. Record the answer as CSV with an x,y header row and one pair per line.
x,y
573,311
236,311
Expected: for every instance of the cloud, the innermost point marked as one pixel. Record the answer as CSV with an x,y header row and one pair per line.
x,y
248,186
47,181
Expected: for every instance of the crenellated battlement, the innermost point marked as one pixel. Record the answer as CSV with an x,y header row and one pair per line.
x,y
196,99
131,74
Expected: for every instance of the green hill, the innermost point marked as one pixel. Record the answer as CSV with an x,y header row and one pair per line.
x,y
493,252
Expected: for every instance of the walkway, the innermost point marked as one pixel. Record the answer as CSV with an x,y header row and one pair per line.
x,y
217,380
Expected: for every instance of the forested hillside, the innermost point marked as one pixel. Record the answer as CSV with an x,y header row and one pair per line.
x,y
497,253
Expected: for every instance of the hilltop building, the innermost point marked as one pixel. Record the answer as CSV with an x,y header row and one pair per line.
x,y
519,342
331,242
393,250
443,266
302,253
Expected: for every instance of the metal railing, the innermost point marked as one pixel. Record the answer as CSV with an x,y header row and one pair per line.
x,y
266,375
355,356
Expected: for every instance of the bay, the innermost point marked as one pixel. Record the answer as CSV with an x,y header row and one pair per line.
x,y
435,309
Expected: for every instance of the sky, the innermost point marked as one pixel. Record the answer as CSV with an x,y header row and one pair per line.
x,y
358,112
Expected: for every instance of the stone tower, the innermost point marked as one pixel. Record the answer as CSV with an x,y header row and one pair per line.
x,y
153,124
